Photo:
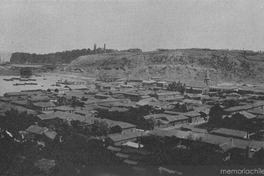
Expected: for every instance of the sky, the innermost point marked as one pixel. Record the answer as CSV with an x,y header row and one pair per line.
x,y
45,26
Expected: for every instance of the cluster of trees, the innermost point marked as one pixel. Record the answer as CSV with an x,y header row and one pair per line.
x,y
64,57
133,116
18,156
132,50
195,153
180,87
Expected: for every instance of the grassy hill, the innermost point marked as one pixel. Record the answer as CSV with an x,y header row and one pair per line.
x,y
181,64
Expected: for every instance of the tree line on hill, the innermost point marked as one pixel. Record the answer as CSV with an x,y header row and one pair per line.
x,y
64,57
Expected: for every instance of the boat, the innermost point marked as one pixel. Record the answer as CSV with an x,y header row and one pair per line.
x,y
8,79
14,78
29,83
37,75
23,79
19,84
31,79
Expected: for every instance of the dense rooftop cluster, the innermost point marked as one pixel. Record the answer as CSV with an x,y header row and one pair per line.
x,y
138,123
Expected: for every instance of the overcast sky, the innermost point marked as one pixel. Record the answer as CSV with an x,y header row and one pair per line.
x,y
57,25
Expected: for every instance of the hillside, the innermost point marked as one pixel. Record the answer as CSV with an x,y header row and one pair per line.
x,y
182,64
64,57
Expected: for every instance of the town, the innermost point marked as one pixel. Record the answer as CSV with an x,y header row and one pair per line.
x,y
141,123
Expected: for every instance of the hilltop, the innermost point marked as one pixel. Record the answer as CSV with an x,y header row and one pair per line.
x,y
181,64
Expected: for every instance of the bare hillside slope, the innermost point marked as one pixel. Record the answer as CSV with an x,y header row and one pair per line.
x,y
181,64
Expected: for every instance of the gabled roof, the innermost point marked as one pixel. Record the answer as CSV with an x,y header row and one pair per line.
x,y
39,98
122,155
238,108
19,102
158,132
146,101
124,125
131,162
47,116
155,116
193,129
50,134
113,109
64,108
44,104
180,117
116,149
167,93
230,132
248,115
36,129
257,111
192,114
123,136
77,87
178,134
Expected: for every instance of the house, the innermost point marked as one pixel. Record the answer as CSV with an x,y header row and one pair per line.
x,y
60,90
224,89
236,109
166,120
131,96
162,96
256,111
64,109
158,132
121,138
162,84
230,133
122,126
36,130
148,83
193,116
40,99
22,103
102,96
82,112
49,119
76,87
187,127
109,100
43,106
107,87
146,101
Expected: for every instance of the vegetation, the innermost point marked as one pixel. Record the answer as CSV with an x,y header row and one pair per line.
x,y
53,58
42,156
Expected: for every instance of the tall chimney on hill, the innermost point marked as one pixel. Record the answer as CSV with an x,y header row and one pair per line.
x,y
104,48
95,49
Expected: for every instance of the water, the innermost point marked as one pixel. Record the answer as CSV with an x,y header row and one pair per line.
x,y
7,86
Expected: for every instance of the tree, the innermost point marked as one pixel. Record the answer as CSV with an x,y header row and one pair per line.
x,y
151,123
100,128
215,115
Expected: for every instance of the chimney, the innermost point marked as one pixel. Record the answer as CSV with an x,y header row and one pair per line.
x,y
104,48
